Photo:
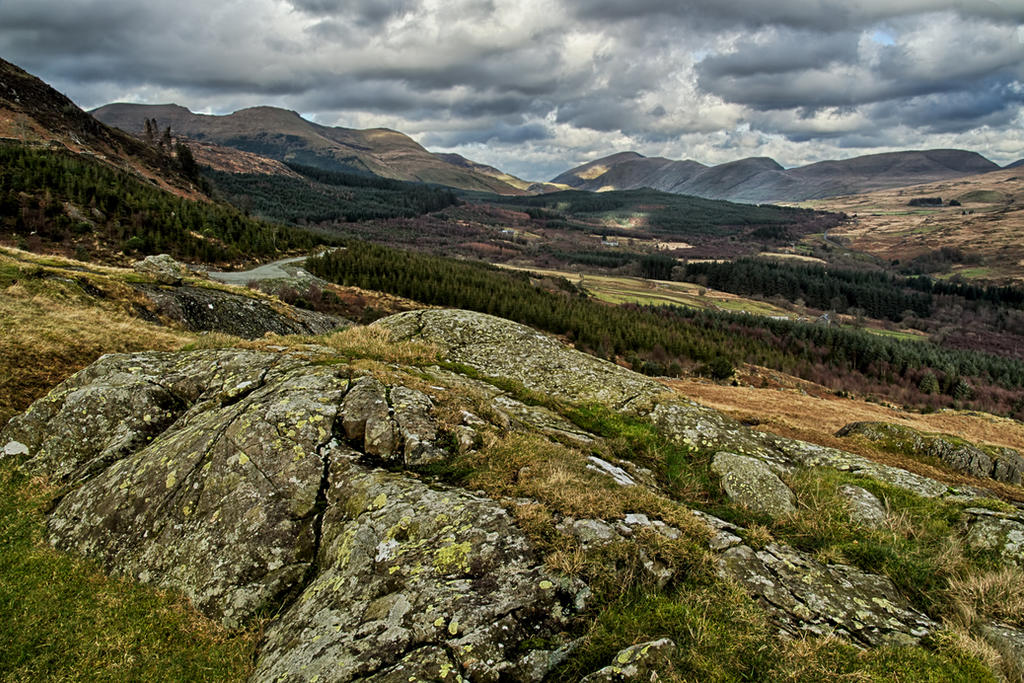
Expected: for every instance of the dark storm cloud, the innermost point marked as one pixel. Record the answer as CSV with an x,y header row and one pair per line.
x,y
536,81
824,15
944,58
783,52
500,133
995,105
365,13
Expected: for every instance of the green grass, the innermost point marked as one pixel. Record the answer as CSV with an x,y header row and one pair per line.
x,y
62,619
721,635
980,272
982,197
896,334
919,549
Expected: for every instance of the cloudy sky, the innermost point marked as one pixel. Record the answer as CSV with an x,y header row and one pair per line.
x,y
537,86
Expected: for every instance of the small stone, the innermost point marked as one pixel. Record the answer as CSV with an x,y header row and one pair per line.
x,y
14,448
863,506
590,531
620,475
637,519
640,662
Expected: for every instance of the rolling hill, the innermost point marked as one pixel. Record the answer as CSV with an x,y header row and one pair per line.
x,y
976,237
284,135
760,179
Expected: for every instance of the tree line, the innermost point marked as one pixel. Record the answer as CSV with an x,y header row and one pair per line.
x,y
323,196
125,211
662,339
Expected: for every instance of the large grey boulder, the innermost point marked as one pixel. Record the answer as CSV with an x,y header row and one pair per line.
x,y
404,567
863,506
222,504
251,482
163,268
499,348
749,482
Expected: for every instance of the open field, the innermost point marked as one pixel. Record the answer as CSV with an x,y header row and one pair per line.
x,y
621,289
617,289
986,227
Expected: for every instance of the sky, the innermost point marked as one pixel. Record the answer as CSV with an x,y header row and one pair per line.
x,y
536,87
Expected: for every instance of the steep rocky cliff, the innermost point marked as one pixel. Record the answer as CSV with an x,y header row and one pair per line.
x,y
462,513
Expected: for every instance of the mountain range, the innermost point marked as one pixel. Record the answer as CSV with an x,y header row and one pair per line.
x,y
258,138
285,136
761,179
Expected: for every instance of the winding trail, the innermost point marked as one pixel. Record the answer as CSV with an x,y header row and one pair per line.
x,y
268,271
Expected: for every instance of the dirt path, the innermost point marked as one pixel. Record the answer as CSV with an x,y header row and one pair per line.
x,y
268,271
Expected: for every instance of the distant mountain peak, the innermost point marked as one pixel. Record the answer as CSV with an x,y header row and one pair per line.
x,y
284,135
762,179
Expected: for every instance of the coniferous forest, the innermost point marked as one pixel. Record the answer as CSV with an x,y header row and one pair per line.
x,y
322,196
56,197
667,339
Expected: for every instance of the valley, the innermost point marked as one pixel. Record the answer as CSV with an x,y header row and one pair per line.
x,y
288,401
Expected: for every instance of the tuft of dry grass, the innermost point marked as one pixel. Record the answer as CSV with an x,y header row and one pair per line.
x,y
569,562
997,594
376,343
47,333
808,658
758,535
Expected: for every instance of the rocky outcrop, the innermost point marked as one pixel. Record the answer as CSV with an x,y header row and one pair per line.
x,y
804,594
203,309
1002,532
252,482
293,484
497,348
994,462
406,568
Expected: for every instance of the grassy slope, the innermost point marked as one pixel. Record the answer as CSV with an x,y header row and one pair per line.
x,y
50,327
62,619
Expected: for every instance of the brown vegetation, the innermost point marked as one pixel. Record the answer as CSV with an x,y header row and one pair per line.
x,y
816,415
986,227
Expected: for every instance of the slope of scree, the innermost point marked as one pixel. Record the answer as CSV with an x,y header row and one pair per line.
x,y
290,484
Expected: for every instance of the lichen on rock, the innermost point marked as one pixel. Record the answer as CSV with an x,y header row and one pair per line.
x,y
751,483
284,483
